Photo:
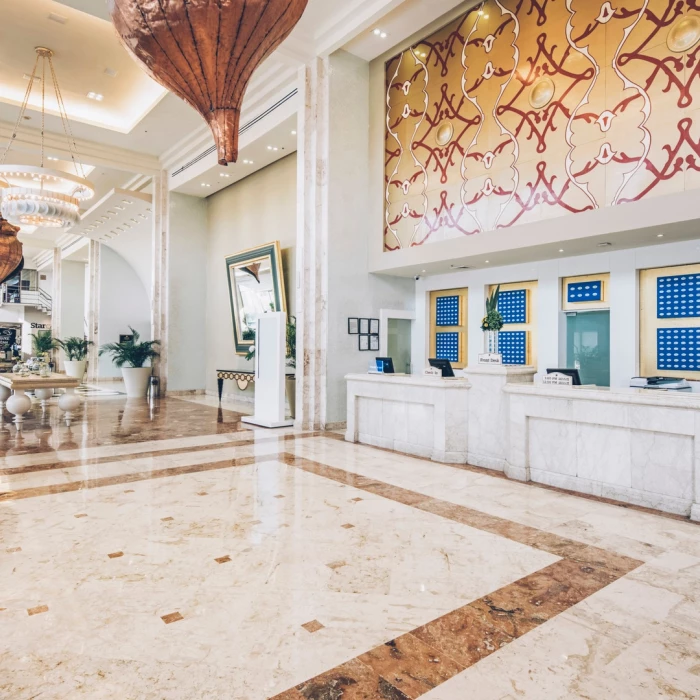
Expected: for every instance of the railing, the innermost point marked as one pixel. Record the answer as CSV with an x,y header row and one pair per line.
x,y
36,297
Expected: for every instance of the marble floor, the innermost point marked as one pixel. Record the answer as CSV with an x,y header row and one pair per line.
x,y
168,551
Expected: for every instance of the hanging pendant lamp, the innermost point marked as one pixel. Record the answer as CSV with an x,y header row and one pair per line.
x,y
205,51
10,249
39,196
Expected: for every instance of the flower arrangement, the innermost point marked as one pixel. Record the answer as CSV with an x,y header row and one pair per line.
x,y
493,321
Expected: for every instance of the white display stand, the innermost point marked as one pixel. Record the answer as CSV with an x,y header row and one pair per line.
x,y
270,355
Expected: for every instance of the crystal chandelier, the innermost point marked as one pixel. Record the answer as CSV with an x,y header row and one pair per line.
x,y
39,196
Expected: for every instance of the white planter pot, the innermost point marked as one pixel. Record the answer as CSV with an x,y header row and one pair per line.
x,y
136,380
75,368
291,384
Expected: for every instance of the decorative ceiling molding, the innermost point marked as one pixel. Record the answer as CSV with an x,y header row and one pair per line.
x,y
95,153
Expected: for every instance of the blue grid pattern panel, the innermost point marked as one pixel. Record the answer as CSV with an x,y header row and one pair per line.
x,y
447,311
513,306
447,346
578,292
678,296
513,346
678,349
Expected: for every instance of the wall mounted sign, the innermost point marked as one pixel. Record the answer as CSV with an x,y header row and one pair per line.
x,y
374,343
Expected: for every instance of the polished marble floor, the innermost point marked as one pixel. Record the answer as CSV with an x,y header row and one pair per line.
x,y
168,551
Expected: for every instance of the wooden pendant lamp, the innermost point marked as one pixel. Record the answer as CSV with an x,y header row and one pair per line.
x,y
10,249
205,51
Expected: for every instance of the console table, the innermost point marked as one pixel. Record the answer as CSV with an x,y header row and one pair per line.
x,y
242,378
14,398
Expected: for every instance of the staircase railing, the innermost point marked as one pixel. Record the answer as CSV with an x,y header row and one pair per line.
x,y
36,297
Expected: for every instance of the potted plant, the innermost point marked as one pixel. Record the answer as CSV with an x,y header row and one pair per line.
x,y
76,350
492,323
130,357
291,380
43,343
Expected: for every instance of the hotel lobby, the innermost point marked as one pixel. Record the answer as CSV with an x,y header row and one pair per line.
x,y
349,350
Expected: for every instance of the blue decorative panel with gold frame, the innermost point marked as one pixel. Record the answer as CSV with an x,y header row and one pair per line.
x,y
512,305
513,347
447,311
678,349
678,296
447,346
580,292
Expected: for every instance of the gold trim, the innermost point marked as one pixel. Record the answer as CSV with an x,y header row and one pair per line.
x,y
445,133
684,34
542,93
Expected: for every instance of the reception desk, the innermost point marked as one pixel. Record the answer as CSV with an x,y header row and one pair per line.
x,y
413,414
637,446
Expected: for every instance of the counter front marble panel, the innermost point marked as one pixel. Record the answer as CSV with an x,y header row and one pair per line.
x,y
633,445
413,414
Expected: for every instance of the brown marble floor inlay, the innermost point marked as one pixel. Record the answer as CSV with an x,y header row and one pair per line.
x,y
172,617
415,663
313,626
347,526
223,560
167,520
80,515
13,550
115,555
37,610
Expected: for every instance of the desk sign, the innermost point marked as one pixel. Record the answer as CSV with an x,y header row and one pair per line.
x,y
490,358
557,379
432,372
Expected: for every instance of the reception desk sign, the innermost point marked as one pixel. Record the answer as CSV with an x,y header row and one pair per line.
x,y
491,358
557,379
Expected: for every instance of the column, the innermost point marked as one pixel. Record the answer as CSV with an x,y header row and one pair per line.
x,y
56,300
159,293
312,246
93,309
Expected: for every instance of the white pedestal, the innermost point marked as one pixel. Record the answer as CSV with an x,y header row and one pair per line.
x,y
270,354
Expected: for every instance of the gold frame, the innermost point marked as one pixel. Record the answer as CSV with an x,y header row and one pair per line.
x,y
461,329
649,323
272,251
531,326
602,305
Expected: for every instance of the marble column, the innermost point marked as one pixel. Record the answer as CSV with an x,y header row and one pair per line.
x,y
93,308
159,292
312,246
56,302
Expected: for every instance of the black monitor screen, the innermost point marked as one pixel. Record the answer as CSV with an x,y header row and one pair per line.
x,y
573,373
445,366
385,365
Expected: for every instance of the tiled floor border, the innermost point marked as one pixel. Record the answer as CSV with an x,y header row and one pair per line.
x,y
415,663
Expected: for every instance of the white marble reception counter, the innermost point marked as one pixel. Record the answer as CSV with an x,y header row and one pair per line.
x,y
634,445
418,415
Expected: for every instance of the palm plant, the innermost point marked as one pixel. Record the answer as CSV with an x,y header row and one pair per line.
x,y
493,321
292,341
43,343
76,349
132,353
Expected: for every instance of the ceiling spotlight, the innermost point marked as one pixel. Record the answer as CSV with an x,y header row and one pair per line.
x,y
487,261
204,184
486,16
659,235
383,35
225,175
294,133
52,158
481,12
96,96
561,250
377,32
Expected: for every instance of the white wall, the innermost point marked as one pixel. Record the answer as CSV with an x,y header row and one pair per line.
x,y
124,302
623,266
187,295
73,299
352,291
257,210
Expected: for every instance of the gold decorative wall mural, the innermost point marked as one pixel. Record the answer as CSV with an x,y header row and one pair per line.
x,y
522,110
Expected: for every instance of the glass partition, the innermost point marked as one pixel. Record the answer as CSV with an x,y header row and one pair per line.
x,y
588,346
399,344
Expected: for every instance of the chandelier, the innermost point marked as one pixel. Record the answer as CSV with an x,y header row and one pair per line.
x,y
39,196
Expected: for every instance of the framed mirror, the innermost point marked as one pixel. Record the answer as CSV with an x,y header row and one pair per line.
x,y
256,286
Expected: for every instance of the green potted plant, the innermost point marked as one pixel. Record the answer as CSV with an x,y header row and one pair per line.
x,y
43,343
492,322
130,357
291,380
76,350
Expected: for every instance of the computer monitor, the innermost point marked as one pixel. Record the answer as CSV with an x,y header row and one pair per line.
x,y
445,366
573,373
385,365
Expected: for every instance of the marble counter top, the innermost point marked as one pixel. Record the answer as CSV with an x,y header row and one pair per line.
x,y
501,370
645,397
411,380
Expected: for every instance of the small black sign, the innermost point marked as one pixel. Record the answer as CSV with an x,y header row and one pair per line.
x,y
8,337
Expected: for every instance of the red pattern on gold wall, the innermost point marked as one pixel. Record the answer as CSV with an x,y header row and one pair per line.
x,y
522,110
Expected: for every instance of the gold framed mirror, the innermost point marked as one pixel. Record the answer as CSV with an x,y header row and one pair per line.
x,y
256,287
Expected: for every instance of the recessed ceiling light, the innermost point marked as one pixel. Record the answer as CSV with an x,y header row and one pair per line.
x,y
481,12
659,235
52,158
377,32
225,175
383,35
96,96
605,244
294,133
204,184
422,272
487,261
561,250
486,16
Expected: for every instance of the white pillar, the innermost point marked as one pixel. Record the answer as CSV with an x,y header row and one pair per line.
x,y
312,246
159,294
93,308
56,302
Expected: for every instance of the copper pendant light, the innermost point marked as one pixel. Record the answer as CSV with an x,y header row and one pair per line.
x,y
10,249
205,51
